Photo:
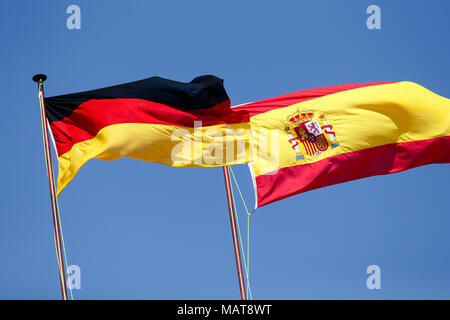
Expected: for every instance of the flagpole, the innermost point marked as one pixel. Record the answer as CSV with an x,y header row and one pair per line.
x,y
39,79
226,175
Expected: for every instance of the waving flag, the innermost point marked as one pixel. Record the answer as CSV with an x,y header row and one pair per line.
x,y
320,137
155,119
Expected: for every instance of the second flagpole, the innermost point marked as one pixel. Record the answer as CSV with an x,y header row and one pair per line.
x,y
226,175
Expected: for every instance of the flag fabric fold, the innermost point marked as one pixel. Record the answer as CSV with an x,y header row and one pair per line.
x,y
158,120
320,137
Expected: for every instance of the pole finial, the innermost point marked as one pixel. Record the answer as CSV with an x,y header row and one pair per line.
x,y
39,77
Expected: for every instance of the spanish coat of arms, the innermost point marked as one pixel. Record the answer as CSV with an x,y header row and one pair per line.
x,y
309,135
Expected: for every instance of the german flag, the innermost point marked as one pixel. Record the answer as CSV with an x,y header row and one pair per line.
x,y
320,137
155,119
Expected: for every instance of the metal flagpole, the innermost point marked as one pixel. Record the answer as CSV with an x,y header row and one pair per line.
x,y
226,175
40,78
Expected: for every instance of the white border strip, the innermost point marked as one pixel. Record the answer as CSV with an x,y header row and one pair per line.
x,y
242,104
254,184
51,138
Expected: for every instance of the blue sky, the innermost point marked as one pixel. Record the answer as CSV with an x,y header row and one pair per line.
x,y
145,231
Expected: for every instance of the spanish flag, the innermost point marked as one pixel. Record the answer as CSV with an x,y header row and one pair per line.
x,y
155,119
320,137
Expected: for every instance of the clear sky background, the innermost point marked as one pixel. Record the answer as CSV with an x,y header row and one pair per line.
x,y
141,230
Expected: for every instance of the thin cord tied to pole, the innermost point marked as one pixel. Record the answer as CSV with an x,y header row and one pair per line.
x,y
246,260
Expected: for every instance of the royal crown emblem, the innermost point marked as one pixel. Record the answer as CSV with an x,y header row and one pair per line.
x,y
309,135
